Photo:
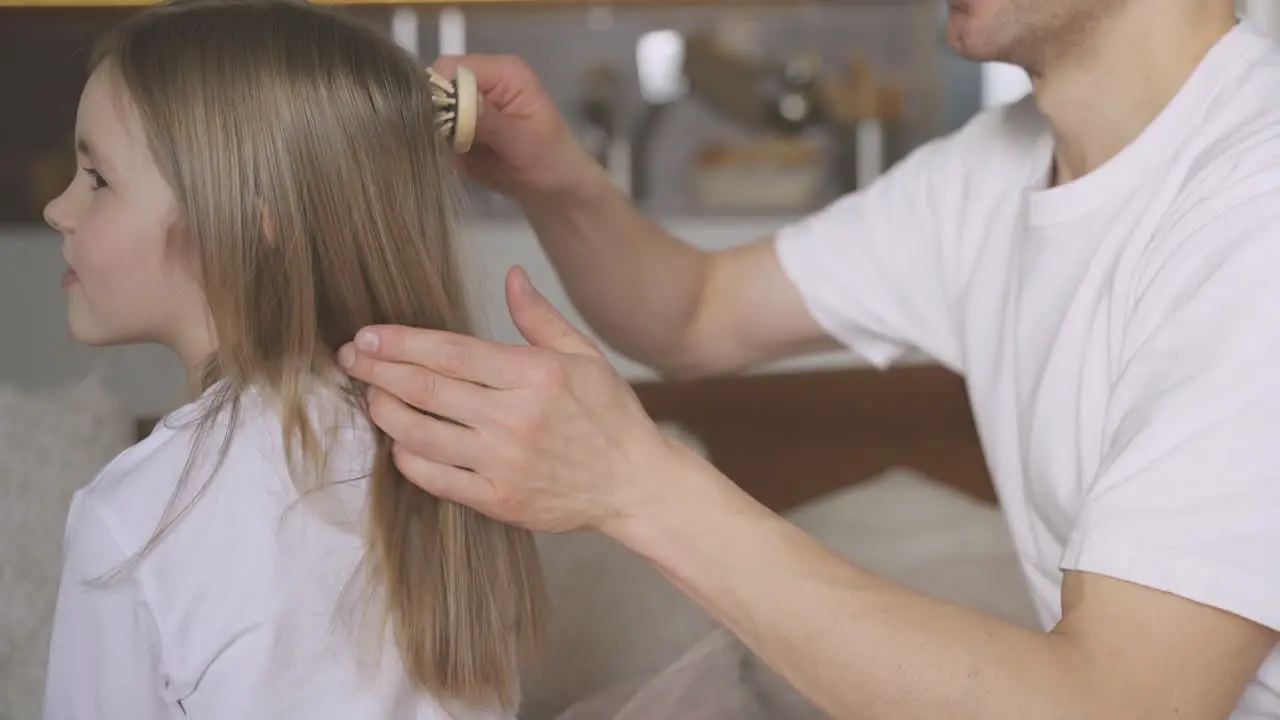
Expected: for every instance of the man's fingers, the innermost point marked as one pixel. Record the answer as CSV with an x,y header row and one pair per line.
x,y
539,321
457,356
510,90
447,65
492,71
424,435
445,481
421,388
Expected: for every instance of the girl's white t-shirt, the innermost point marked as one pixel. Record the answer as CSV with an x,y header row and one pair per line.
x,y
249,608
1119,335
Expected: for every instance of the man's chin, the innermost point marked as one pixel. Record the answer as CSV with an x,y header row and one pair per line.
x,y
963,42
977,53
979,36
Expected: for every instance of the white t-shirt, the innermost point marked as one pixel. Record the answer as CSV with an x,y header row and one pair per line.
x,y
1119,335
246,609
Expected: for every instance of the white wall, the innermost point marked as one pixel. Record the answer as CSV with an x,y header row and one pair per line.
x,y
1003,84
1266,13
37,349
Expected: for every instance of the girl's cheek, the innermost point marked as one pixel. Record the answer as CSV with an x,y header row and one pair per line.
x,y
98,261
84,246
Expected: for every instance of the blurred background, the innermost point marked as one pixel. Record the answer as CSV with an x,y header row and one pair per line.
x,y
725,118
669,95
724,121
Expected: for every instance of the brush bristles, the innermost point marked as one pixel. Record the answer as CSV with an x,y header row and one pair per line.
x,y
445,99
440,81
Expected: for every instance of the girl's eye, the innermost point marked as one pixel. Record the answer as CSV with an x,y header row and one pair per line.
x,y
96,178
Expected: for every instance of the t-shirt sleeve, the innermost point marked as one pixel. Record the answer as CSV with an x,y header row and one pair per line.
x,y
1187,499
103,652
871,266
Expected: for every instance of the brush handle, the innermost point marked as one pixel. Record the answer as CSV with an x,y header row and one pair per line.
x,y
468,98
461,110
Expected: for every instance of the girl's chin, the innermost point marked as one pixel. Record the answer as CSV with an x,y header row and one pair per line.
x,y
92,338
87,331
87,328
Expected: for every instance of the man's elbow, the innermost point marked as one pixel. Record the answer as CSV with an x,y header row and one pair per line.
x,y
695,351
699,356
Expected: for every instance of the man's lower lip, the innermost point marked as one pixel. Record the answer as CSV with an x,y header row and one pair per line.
x,y
69,278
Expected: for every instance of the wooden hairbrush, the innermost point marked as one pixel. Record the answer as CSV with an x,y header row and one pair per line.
x,y
457,104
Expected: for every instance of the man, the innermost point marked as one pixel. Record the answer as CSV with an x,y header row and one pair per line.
x,y
1100,263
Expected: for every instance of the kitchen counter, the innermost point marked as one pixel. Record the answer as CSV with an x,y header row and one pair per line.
x,y
494,245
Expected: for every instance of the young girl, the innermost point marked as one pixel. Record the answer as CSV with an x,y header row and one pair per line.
x,y
258,180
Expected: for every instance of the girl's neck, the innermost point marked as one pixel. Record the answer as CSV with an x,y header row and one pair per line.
x,y
195,382
195,347
195,361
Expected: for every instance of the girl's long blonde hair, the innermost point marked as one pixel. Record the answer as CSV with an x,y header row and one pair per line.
x,y
316,199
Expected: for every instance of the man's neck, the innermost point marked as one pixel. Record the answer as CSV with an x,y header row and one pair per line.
x,y
1103,93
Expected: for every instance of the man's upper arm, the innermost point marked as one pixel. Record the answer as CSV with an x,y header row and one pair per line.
x,y
1151,654
866,272
750,313
1173,569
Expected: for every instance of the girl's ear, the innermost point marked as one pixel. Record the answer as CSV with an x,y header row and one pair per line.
x,y
176,238
266,220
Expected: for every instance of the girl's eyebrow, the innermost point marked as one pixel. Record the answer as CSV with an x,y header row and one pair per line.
x,y
84,148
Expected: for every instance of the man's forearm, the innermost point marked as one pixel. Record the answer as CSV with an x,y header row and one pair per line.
x,y
858,645
637,286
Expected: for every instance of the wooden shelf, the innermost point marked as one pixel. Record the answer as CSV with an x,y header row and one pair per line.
x,y
409,3
479,4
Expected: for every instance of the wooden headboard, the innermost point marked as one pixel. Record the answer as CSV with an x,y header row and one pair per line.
x,y
790,438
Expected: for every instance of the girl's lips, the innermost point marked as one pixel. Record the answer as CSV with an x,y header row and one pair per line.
x,y
68,278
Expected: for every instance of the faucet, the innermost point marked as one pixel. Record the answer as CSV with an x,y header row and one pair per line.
x,y
660,66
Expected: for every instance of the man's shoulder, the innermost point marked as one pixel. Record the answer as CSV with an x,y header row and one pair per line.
x,y
1235,129
1219,234
1231,165
1236,153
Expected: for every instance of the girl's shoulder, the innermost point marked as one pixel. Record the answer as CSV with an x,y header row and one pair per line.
x,y
252,563
228,474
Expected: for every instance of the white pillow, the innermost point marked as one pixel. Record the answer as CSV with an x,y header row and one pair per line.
x,y
619,624
52,442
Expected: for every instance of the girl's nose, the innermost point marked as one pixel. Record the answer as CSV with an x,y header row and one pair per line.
x,y
56,214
